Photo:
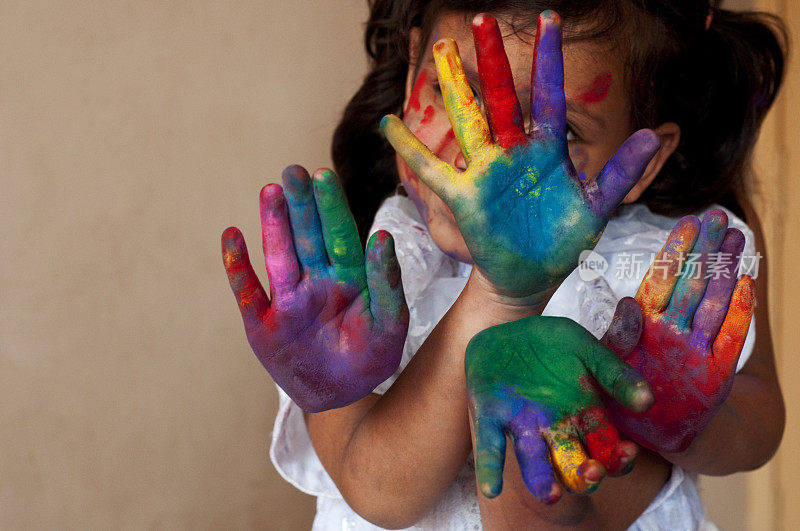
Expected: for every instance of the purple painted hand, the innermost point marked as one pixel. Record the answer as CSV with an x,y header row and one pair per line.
x,y
335,323
688,336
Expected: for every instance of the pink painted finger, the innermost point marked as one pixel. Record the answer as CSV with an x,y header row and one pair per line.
x,y
548,103
276,237
730,341
712,309
503,110
250,296
656,289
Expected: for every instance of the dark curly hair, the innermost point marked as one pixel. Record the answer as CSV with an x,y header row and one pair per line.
x,y
714,72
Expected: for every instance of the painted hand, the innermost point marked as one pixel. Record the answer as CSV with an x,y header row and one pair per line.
x,y
536,380
335,324
523,210
692,332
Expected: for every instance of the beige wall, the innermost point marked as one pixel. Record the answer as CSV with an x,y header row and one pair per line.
x,y
131,134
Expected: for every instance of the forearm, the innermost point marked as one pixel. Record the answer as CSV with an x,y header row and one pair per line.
x,y
392,457
743,435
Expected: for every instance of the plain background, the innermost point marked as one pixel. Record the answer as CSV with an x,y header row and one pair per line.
x,y
131,134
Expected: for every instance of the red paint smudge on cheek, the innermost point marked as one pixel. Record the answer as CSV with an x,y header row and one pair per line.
x,y
413,99
599,89
428,116
449,137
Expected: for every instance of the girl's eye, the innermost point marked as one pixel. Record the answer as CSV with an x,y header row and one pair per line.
x,y
572,136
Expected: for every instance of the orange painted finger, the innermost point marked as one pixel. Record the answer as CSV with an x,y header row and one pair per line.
x,y
732,334
656,288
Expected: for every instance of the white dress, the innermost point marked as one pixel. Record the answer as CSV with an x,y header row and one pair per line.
x,y
432,282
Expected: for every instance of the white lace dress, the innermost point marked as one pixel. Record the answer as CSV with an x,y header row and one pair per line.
x,y
432,282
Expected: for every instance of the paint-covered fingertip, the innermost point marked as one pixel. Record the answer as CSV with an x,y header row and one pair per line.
x,y
647,141
642,398
233,246
323,174
716,220
687,224
733,243
592,472
386,121
293,173
483,21
231,234
444,45
744,295
491,490
270,194
380,247
550,17
627,452
553,496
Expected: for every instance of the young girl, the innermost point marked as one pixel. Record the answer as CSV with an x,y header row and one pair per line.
x,y
702,78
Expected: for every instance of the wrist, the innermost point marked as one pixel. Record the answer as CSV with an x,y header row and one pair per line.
x,y
499,307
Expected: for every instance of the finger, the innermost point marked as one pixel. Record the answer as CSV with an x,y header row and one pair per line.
x,y
617,378
440,176
576,471
656,288
471,130
548,103
387,301
532,455
250,296
308,241
338,228
712,309
603,442
622,171
276,238
729,342
490,455
625,329
691,285
497,83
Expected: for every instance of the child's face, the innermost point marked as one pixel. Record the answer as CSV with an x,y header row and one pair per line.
x,y
597,113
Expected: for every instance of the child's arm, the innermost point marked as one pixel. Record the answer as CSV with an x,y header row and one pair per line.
x,y
752,419
393,456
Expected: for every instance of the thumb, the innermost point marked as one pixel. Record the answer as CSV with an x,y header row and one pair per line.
x,y
625,329
617,378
